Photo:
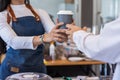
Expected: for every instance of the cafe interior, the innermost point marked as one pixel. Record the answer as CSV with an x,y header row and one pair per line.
x,y
69,63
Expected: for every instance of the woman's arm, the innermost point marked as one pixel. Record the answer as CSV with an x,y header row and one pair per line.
x,y
21,42
14,41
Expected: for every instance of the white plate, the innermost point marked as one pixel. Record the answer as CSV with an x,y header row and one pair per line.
x,y
75,58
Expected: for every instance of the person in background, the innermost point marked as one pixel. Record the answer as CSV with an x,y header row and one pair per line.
x,y
25,29
104,47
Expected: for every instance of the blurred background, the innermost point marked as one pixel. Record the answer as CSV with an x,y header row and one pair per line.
x,y
90,13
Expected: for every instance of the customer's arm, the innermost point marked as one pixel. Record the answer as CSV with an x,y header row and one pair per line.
x,y
104,47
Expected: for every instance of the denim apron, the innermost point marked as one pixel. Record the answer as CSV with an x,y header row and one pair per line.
x,y
26,60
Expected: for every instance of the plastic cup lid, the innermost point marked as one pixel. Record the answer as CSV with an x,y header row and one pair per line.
x,y
65,12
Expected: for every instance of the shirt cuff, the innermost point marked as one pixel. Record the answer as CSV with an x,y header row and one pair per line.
x,y
79,39
30,42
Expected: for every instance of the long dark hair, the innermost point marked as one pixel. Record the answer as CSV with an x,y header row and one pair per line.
x,y
5,3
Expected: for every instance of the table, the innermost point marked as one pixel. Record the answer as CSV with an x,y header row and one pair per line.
x,y
68,63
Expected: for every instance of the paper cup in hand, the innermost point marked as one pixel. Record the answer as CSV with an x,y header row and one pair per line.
x,y
66,17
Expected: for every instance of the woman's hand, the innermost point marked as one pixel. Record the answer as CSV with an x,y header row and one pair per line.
x,y
72,28
56,34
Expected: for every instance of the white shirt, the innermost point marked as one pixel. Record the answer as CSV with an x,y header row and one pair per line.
x,y
21,42
103,47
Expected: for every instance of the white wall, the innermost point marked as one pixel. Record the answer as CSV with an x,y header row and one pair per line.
x,y
118,7
108,8
51,6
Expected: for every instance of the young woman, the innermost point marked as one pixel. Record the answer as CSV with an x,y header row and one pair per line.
x,y
23,29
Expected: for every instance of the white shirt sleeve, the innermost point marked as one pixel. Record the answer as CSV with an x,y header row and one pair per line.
x,y
47,22
10,37
105,46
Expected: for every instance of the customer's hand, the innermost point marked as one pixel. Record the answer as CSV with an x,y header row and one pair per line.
x,y
72,28
56,34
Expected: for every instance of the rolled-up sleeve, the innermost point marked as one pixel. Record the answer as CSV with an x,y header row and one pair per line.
x,y
46,20
79,37
11,38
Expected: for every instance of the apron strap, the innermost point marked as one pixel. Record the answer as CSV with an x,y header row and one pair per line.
x,y
11,12
33,11
8,18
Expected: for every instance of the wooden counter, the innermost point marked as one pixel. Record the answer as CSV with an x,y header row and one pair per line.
x,y
68,63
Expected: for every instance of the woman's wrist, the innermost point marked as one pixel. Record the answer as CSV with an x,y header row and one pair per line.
x,y
44,38
47,38
36,41
41,39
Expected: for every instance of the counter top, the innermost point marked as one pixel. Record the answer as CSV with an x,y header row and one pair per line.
x,y
67,62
